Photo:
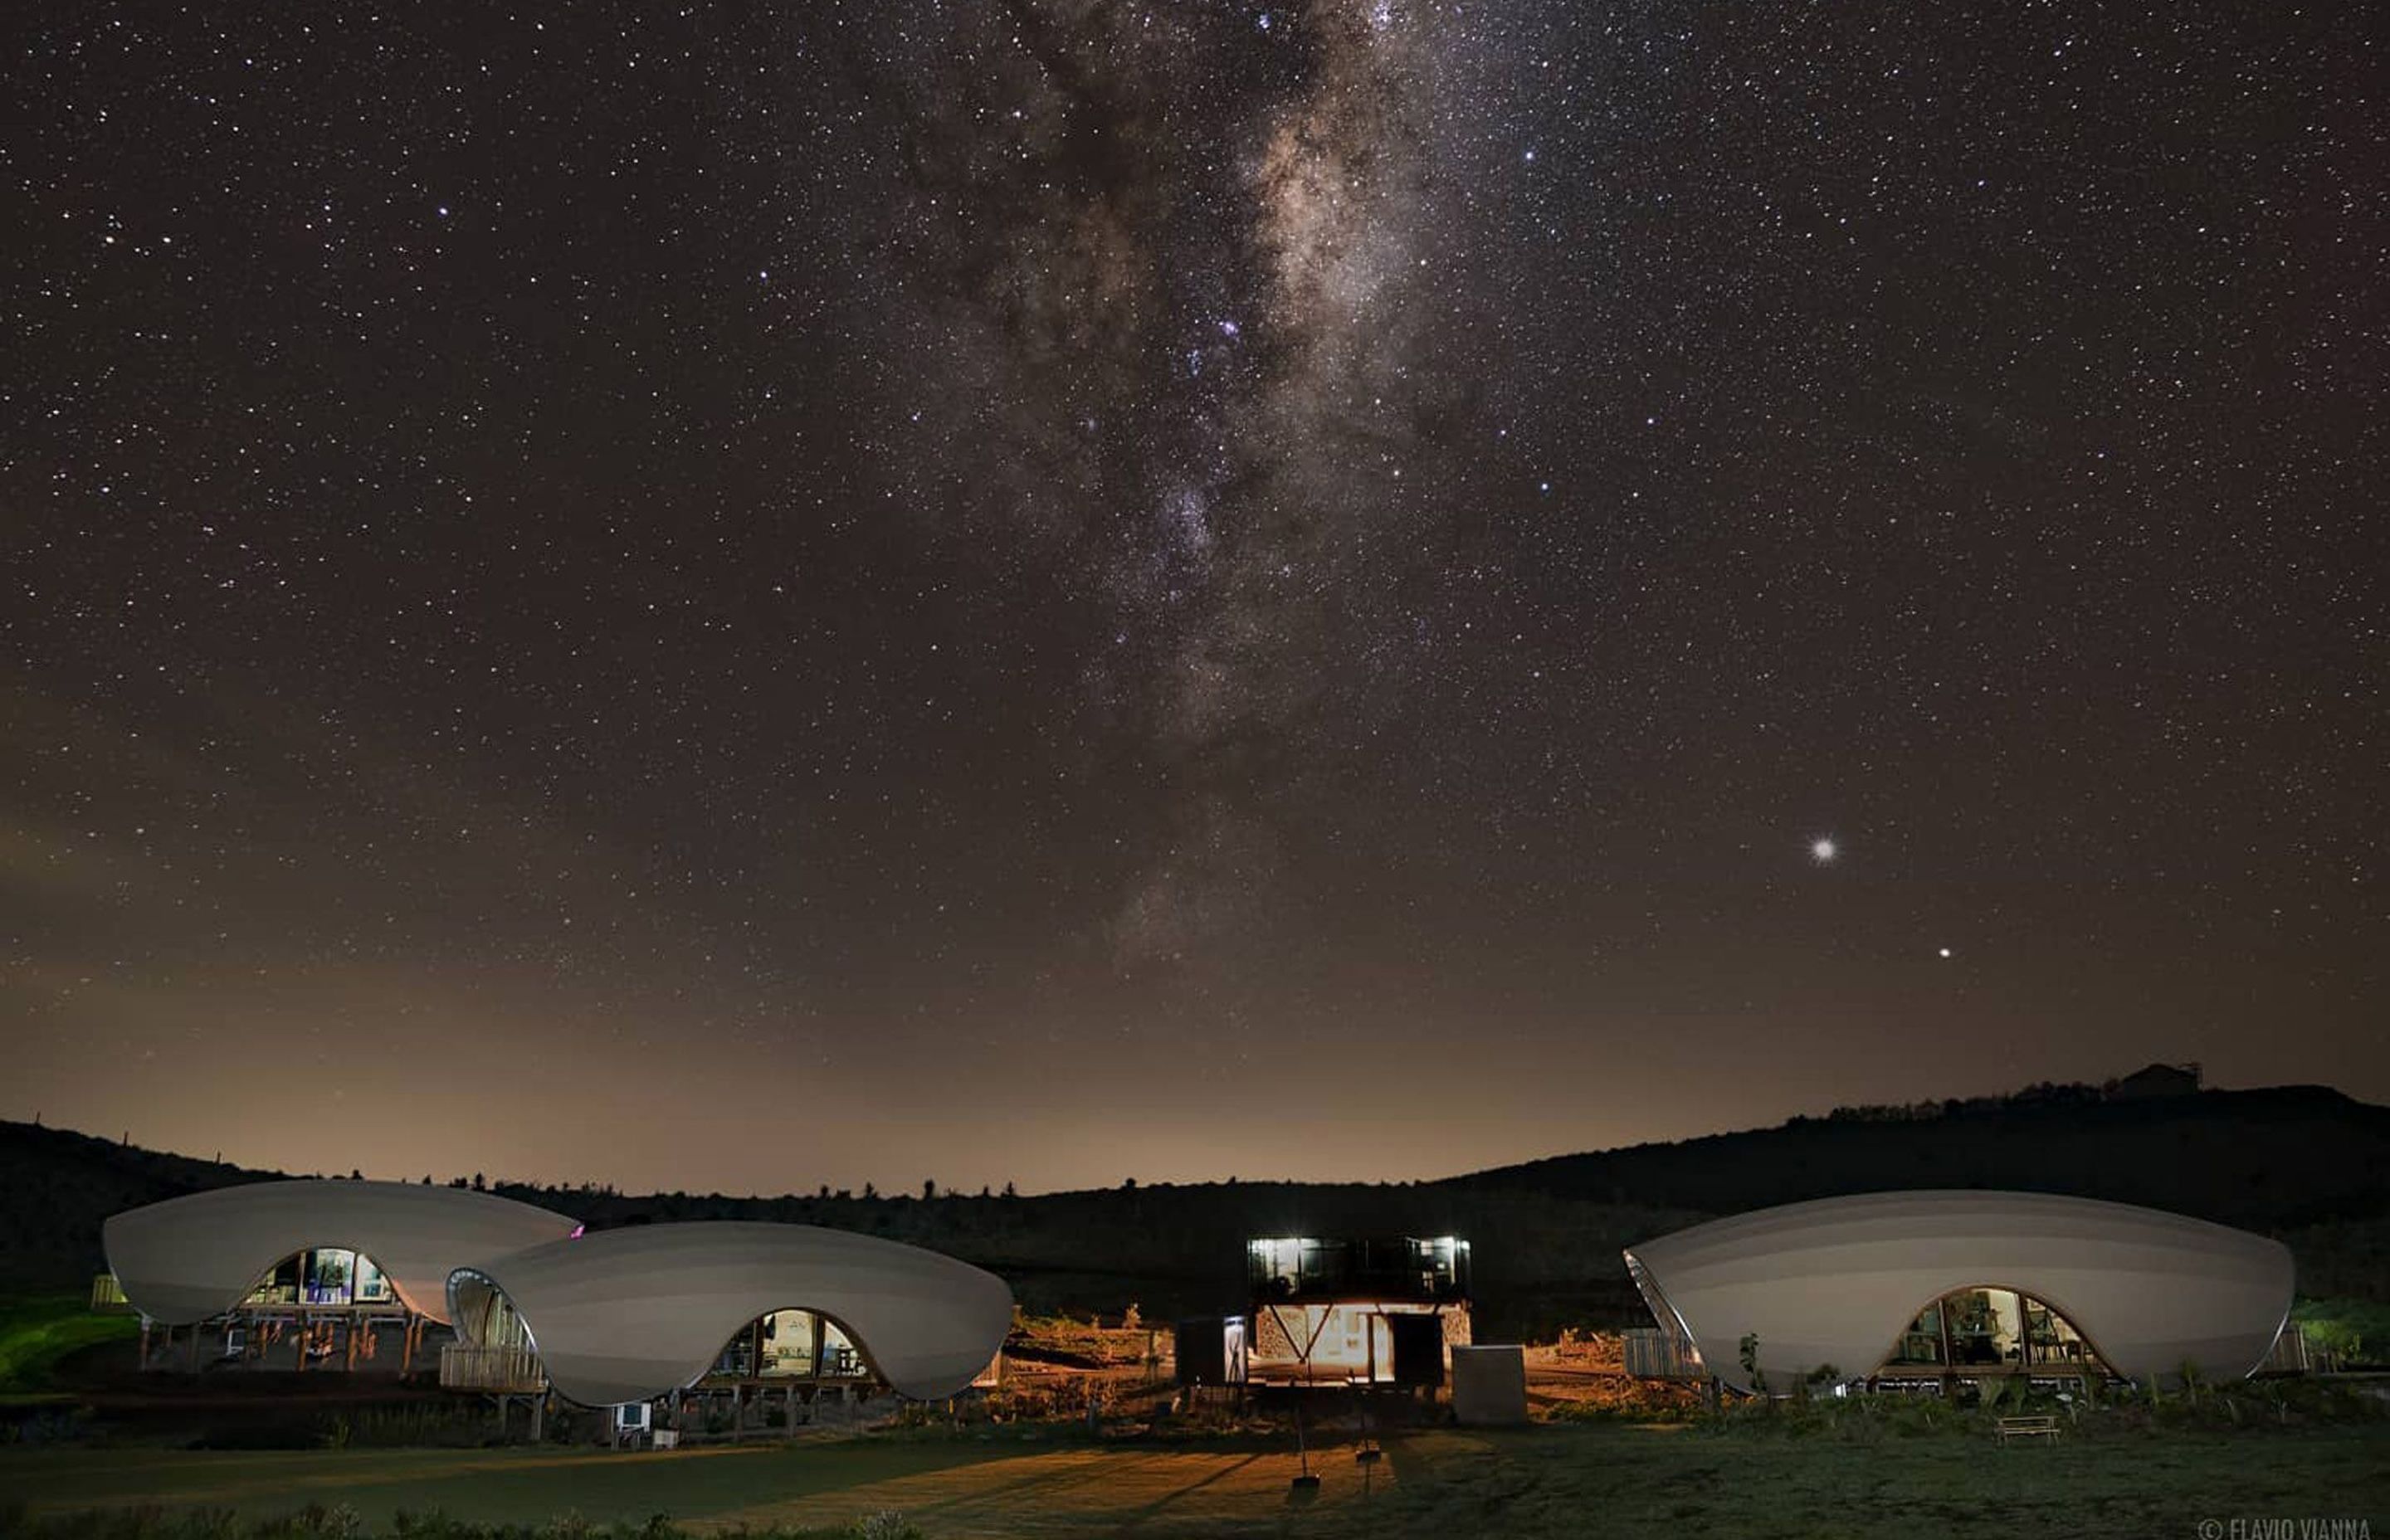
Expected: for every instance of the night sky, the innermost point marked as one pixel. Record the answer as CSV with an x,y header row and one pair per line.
x,y
1050,592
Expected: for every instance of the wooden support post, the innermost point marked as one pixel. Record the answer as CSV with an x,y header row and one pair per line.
x,y
407,1347
538,1417
349,1360
144,1341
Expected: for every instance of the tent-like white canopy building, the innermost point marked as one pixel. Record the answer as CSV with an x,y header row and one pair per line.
x,y
1964,1282
625,1315
189,1259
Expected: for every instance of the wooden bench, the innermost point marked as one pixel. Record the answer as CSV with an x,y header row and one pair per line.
x,y
2028,1426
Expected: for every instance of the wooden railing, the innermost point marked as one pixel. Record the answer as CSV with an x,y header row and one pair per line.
x,y
504,1370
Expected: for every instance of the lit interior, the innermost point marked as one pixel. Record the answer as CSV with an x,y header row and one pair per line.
x,y
325,1277
791,1344
1989,1331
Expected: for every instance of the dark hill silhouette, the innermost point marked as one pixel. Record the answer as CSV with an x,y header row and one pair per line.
x,y
61,1185
2305,1163
2265,1161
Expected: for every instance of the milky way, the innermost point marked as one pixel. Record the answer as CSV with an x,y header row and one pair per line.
x,y
1210,282
1171,579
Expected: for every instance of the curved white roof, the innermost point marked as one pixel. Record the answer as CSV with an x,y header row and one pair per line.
x,y
623,1315
190,1258
1836,1281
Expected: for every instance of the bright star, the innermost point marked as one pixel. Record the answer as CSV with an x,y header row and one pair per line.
x,y
1822,851
1945,951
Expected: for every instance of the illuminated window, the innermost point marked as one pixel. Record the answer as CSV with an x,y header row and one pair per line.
x,y
1921,1344
1989,1329
839,1354
1985,1329
281,1285
789,1344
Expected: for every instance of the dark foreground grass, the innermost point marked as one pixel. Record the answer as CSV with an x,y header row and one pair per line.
x,y
1558,1481
1694,1481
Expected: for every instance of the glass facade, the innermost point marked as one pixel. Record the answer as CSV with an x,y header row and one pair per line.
x,y
331,1276
791,1344
841,1357
1990,1330
326,1277
1399,1267
788,1345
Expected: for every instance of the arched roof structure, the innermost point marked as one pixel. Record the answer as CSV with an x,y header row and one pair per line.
x,y
190,1258
1833,1282
623,1315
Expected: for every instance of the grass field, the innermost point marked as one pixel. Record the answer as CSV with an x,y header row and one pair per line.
x,y
37,1331
1554,1481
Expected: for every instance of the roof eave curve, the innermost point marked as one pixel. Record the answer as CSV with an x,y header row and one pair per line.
x,y
626,1314
1829,1282
191,1258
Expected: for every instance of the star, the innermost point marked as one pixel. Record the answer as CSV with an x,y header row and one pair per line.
x,y
1121,691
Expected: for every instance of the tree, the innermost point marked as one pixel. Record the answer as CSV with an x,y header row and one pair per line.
x,y
480,1186
869,1192
929,1188
1011,1191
